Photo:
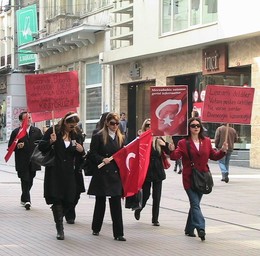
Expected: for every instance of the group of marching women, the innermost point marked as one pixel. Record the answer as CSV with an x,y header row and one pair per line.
x,y
63,182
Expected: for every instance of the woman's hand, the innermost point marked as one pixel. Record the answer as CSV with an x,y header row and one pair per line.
x,y
53,138
79,147
224,147
171,146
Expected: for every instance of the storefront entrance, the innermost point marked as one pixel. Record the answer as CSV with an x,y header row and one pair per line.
x,y
138,106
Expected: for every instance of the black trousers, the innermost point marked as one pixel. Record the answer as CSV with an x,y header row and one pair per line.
x,y
115,211
71,212
26,185
156,196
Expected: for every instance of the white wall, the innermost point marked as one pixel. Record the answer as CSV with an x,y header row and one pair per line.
x,y
237,19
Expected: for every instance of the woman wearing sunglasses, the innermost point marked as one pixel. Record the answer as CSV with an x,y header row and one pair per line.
x,y
201,151
106,181
155,175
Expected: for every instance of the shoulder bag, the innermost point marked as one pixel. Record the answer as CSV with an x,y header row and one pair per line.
x,y
43,159
202,182
87,165
165,162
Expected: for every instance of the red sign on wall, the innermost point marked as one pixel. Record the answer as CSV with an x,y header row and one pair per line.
x,y
228,104
169,110
52,92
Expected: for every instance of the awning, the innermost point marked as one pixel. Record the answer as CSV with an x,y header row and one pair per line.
x,y
63,41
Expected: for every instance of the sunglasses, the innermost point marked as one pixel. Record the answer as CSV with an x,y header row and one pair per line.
x,y
195,125
113,123
147,125
71,126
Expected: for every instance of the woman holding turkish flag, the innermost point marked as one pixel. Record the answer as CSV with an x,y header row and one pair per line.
x,y
106,181
155,174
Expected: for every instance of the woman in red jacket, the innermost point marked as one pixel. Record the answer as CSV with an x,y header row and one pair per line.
x,y
201,151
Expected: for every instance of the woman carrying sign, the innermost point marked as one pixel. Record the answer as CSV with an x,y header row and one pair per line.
x,y
60,184
201,151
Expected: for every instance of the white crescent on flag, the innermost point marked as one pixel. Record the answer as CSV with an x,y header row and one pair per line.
x,y
127,161
167,119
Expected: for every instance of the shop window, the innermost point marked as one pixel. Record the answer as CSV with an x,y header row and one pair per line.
x,y
178,15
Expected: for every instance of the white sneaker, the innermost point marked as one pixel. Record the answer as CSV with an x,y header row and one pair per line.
x,y
22,203
27,205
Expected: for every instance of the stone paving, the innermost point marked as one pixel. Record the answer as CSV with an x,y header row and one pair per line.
x,y
231,212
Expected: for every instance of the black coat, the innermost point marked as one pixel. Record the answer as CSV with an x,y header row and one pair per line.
x,y
156,171
106,180
64,180
22,156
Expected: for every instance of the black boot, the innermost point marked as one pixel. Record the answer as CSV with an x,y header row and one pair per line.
x,y
58,218
226,178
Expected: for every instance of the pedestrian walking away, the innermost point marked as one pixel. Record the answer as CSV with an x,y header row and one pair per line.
x,y
60,186
201,151
155,175
26,170
232,137
106,181
178,163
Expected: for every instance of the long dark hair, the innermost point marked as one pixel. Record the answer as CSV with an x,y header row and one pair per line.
x,y
61,125
201,135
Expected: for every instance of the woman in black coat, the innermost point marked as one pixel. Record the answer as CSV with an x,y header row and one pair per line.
x,y
155,175
106,181
60,187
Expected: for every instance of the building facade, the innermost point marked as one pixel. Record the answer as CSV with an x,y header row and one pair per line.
x,y
168,42
122,47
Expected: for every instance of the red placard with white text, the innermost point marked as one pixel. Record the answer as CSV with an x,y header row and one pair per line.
x,y
228,104
169,110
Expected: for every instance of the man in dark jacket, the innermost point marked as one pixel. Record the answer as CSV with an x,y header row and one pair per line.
x,y
26,170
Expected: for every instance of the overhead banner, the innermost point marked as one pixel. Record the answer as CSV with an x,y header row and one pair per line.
x,y
52,92
169,110
228,104
26,26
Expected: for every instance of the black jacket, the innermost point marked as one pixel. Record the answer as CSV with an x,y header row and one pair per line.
x,y
106,180
23,155
64,180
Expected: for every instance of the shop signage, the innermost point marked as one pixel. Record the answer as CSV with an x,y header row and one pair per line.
x,y
214,60
26,27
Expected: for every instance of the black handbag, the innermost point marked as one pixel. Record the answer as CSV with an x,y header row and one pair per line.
x,y
87,165
202,182
43,159
135,202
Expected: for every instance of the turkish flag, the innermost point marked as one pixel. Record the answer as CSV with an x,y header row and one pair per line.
x,y
21,133
169,110
133,161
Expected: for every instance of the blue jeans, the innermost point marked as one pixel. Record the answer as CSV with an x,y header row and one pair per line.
x,y
224,162
195,218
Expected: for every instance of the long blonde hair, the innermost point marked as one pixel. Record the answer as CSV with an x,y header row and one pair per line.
x,y
156,145
105,132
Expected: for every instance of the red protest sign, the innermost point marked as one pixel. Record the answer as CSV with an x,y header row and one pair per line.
x,y
41,116
53,91
169,110
228,104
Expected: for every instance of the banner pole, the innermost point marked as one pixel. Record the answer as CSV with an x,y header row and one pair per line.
x,y
102,164
226,135
52,114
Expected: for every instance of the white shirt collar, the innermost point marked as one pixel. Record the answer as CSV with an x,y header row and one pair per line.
x,y
111,134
